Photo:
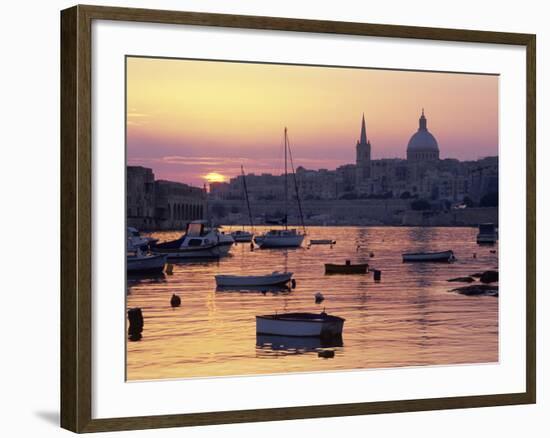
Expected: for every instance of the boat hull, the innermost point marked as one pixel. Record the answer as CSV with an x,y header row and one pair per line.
x,y
253,280
346,269
444,256
145,265
322,242
242,237
300,325
280,241
210,252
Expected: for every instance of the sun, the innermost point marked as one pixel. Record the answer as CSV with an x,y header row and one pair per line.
x,y
214,177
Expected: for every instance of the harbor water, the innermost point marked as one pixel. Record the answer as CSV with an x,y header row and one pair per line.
x,y
409,318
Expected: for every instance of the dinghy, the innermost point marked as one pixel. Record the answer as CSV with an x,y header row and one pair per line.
x,y
443,256
300,324
347,268
322,242
273,279
138,262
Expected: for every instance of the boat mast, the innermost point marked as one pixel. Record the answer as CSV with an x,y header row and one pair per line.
x,y
247,200
286,185
296,189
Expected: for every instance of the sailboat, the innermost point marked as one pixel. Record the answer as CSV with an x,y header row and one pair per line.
x,y
284,238
243,235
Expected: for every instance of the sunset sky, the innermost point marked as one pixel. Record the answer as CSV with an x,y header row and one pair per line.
x,y
198,121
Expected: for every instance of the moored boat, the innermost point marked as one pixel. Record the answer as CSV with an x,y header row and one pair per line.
x,y
273,279
285,238
300,324
199,241
140,263
487,234
322,242
242,236
347,268
137,241
442,256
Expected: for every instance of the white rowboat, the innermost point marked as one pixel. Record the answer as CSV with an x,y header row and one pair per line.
x,y
273,279
300,324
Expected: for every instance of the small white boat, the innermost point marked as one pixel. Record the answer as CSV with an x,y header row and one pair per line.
x,y
322,242
139,263
137,241
487,234
242,236
443,256
273,279
199,241
300,324
289,238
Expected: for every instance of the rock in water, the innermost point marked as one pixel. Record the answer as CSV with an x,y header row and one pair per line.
x,y
489,277
478,289
462,279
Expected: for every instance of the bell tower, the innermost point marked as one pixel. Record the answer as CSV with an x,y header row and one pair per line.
x,y
362,155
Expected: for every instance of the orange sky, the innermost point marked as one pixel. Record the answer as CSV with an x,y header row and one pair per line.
x,y
187,119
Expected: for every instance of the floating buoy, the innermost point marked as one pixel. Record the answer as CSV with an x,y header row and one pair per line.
x,y
293,283
175,301
326,354
169,268
474,255
377,274
358,246
493,251
371,254
319,298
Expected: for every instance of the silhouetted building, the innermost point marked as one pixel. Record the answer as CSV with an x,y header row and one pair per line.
x,y
362,155
422,146
152,205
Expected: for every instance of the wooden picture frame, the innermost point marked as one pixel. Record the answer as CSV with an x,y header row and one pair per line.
x,y
76,217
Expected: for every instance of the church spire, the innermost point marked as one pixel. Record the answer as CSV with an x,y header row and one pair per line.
x,y
363,138
422,122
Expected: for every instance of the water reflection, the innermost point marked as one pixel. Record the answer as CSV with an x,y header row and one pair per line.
x,y
295,344
409,318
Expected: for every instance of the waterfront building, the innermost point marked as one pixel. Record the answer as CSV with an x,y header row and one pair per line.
x,y
155,204
140,197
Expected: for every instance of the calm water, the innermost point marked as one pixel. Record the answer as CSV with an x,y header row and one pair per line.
x,y
410,318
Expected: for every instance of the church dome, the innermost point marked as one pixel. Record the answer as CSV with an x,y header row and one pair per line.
x,y
422,140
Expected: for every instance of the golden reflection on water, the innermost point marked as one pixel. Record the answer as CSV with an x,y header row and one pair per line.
x,y
410,318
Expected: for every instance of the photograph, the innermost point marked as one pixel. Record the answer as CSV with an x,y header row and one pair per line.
x,y
297,218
